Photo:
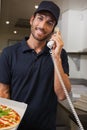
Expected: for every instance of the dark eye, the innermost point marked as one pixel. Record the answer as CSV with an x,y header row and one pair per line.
x,y
50,23
40,18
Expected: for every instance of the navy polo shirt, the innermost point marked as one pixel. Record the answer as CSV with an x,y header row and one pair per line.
x,y
31,78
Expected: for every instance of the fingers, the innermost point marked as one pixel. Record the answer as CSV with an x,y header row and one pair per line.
x,y
57,38
56,30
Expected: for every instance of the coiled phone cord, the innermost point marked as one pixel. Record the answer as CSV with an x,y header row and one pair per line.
x,y
67,95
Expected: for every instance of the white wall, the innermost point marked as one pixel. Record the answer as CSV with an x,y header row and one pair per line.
x,y
80,72
84,23
84,67
74,31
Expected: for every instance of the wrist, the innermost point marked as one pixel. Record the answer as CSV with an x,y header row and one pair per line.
x,y
56,57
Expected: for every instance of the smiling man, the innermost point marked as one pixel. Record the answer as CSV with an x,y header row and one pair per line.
x,y
27,72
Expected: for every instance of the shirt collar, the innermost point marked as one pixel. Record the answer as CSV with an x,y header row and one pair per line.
x,y
26,48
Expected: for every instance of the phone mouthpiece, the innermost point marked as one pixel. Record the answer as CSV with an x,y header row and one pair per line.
x,y
50,44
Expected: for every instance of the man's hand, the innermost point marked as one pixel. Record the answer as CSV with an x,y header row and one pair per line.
x,y
58,43
4,91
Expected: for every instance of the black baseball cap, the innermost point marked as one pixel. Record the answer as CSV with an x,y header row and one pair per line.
x,y
50,7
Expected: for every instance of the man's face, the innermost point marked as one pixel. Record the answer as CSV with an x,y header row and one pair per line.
x,y
42,26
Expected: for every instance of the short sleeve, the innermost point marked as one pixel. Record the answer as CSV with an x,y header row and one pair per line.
x,y
65,63
5,75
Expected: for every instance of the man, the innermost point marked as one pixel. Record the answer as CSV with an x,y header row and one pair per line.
x,y
27,72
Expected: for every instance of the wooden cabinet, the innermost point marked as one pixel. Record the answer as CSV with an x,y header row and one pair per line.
x,y
74,126
62,119
66,120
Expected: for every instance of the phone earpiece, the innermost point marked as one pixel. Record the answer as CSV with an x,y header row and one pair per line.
x,y
51,42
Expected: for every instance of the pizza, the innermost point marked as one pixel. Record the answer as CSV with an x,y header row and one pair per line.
x,y
9,118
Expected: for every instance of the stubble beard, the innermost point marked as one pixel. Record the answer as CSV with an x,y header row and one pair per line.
x,y
41,39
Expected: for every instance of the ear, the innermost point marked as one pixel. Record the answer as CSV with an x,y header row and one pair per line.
x,y
31,20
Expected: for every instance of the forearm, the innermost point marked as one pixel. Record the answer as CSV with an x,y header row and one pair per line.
x,y
57,84
4,91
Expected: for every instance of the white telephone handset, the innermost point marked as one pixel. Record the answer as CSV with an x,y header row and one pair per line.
x,y
51,42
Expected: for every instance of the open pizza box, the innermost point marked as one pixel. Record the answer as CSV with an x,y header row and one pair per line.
x,y
19,107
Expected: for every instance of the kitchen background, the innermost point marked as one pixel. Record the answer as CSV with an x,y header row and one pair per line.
x,y
14,25
72,24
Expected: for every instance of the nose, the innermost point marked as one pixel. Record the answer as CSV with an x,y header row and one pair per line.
x,y
43,25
